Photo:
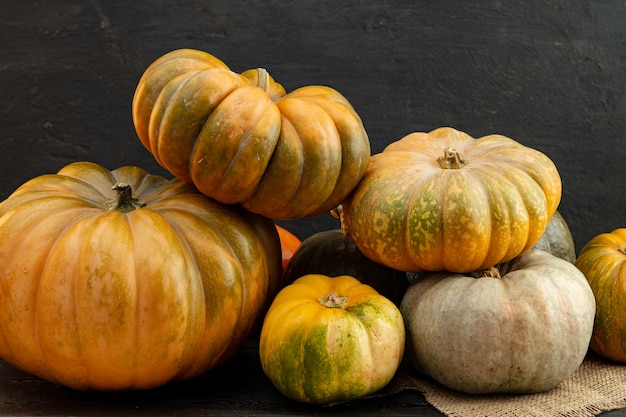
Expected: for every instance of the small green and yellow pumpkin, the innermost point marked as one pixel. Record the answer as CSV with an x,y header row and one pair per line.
x,y
330,339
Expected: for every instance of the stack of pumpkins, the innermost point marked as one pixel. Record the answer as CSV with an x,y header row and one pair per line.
x,y
115,280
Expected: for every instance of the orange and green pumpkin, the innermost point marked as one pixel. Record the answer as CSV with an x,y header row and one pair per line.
x,y
240,138
115,280
330,339
446,201
603,261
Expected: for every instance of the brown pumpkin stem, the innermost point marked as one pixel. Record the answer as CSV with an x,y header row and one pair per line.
x,y
333,300
337,213
622,250
492,272
451,159
124,201
263,79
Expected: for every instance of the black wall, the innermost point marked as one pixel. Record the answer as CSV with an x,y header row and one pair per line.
x,y
548,73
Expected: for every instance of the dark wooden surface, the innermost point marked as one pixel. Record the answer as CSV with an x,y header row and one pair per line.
x,y
237,388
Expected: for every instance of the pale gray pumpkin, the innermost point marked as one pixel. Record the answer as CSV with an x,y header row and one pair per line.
x,y
523,332
557,239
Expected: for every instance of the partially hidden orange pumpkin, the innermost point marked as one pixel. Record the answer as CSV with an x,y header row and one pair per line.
x,y
116,280
445,201
289,244
240,138
603,261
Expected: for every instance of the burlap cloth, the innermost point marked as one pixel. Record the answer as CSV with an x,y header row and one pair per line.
x,y
597,386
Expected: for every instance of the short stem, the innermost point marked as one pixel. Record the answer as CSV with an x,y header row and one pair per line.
x,y
451,159
337,213
492,272
124,201
333,300
263,79
622,249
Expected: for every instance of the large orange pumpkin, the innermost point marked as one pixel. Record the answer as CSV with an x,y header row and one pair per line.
x,y
444,201
239,138
128,291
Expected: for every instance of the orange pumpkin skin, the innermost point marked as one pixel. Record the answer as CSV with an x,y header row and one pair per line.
x,y
95,298
289,244
239,138
444,201
603,261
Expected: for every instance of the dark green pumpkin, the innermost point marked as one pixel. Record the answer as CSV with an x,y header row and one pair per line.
x,y
557,239
333,253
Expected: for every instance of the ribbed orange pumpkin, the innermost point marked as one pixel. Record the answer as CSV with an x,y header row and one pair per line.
x,y
239,138
444,201
603,261
129,292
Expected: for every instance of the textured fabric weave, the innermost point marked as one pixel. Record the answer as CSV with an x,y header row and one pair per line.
x,y
597,386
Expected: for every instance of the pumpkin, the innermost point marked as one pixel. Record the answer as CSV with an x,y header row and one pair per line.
x,y
289,244
603,261
240,138
520,327
557,239
115,280
330,339
333,253
444,201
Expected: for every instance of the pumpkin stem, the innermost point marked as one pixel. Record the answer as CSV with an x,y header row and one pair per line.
x,y
263,79
124,201
492,272
451,159
337,213
622,250
333,300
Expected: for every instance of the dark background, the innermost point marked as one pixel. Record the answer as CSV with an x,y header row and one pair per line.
x,y
548,73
